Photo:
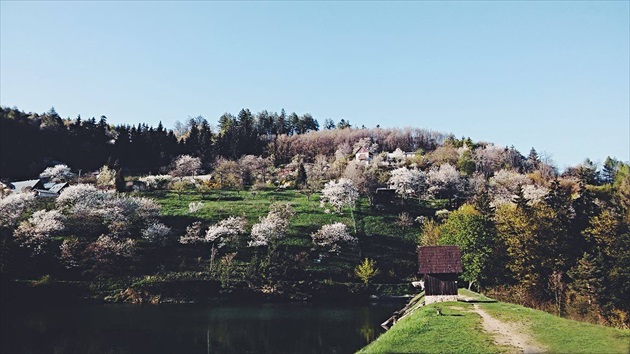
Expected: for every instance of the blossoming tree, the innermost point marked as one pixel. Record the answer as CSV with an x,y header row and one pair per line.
x,y
219,235
407,182
186,165
13,208
445,182
330,237
36,233
341,194
272,227
58,173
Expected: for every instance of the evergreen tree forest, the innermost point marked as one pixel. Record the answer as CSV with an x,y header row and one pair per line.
x,y
30,141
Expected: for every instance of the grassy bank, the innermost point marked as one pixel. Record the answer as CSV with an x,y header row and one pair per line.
x,y
459,330
456,331
559,335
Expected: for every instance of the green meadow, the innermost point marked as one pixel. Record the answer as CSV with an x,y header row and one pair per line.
x,y
379,236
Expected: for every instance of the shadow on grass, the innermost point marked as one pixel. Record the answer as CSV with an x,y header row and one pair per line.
x,y
478,301
178,221
222,198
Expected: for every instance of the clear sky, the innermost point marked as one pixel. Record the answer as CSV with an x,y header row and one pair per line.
x,y
552,75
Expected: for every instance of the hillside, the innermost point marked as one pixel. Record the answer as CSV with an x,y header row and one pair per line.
x,y
379,237
478,324
237,210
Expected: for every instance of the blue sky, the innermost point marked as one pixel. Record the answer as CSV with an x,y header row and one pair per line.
x,y
552,75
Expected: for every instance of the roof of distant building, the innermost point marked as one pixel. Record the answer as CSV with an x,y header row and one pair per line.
x,y
18,186
57,187
361,149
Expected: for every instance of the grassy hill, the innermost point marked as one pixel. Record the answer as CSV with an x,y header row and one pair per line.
x,y
380,238
460,329
171,271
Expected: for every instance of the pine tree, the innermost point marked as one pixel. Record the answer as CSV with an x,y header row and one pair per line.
x,y
119,181
281,123
301,179
483,203
533,161
519,198
609,170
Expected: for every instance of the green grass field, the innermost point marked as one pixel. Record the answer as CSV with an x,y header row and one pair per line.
x,y
459,330
393,247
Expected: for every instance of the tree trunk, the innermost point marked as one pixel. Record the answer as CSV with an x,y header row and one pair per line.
x,y
213,253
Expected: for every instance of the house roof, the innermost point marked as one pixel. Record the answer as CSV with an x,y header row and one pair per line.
x,y
361,149
56,188
439,260
18,186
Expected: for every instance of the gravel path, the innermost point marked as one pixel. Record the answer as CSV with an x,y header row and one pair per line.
x,y
508,333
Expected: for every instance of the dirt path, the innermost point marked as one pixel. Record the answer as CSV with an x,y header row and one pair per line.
x,y
508,333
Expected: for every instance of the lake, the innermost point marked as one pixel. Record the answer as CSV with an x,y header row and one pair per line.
x,y
192,328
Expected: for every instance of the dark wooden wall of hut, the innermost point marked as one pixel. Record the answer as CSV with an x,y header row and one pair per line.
x,y
440,284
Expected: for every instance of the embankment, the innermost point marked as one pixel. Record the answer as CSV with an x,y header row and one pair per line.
x,y
478,324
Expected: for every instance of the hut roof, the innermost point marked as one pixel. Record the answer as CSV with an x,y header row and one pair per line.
x,y
20,186
57,187
439,260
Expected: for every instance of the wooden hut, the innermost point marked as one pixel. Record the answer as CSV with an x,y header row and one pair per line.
x,y
439,267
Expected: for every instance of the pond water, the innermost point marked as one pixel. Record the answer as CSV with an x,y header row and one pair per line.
x,y
192,328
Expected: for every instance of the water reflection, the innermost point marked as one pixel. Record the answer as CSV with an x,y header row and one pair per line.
x,y
367,326
261,328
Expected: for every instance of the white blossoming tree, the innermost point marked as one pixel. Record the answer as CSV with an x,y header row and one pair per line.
x,y
13,208
157,181
156,233
224,232
35,233
330,237
186,165
272,227
341,194
107,226
125,216
445,182
489,159
58,173
408,182
505,183
534,194
81,198
265,232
